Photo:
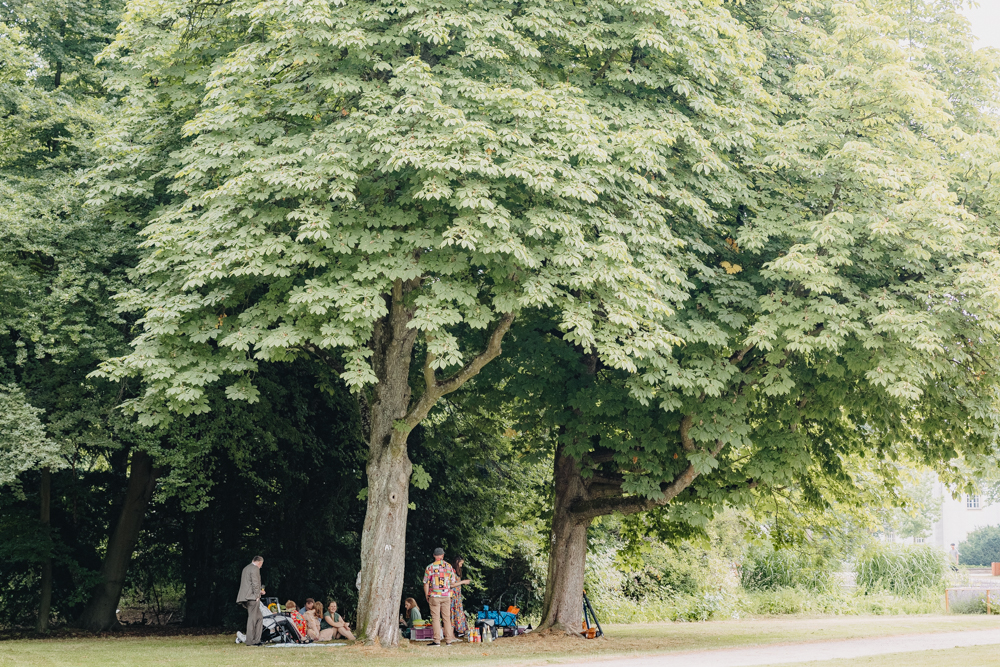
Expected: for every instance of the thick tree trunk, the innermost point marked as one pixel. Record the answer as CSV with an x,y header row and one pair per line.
x,y
383,539
562,607
100,612
45,516
577,503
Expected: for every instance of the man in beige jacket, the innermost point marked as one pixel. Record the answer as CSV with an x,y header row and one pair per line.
x,y
249,597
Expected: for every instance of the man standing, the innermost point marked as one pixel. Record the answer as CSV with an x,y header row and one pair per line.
x,y
439,578
249,597
953,557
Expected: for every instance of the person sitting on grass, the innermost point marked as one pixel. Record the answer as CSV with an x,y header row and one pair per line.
x,y
412,614
313,617
334,626
297,620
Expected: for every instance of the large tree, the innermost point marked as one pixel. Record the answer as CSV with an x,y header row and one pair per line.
x,y
387,184
846,304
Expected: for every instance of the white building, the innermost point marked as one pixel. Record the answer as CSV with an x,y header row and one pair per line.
x,y
959,517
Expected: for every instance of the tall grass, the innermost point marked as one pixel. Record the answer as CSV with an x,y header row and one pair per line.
x,y
767,569
900,569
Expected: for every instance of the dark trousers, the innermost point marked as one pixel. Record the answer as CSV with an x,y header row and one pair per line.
x,y
255,622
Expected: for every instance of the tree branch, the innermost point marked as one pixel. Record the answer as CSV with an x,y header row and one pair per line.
x,y
591,508
686,441
738,356
435,389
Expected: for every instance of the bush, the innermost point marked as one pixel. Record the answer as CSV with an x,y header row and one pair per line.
x,y
967,602
666,572
903,570
837,602
768,569
981,547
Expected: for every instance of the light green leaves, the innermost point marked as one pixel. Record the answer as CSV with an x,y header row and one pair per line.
x,y
490,159
420,478
24,444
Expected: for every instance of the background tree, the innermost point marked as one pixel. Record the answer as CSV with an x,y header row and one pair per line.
x,y
981,547
58,265
832,314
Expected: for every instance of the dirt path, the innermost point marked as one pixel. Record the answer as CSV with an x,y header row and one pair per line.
x,y
791,653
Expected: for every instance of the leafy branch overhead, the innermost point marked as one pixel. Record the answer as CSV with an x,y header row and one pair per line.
x,y
335,153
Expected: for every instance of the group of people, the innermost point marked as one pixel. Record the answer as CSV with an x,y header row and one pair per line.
x,y
442,589
312,621
318,624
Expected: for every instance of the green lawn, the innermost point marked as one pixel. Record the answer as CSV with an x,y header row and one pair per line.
x,y
624,640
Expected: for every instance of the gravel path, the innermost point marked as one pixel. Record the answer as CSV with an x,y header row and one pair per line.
x,y
789,653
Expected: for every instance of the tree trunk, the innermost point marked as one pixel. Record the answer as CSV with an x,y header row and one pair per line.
x,y
45,600
577,503
390,420
100,613
562,608
383,539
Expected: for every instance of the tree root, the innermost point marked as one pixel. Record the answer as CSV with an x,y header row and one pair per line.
x,y
555,629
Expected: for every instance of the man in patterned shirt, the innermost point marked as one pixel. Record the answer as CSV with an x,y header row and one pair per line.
x,y
439,578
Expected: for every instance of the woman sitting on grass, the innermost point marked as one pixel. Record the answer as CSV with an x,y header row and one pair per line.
x,y
333,625
297,620
313,617
412,614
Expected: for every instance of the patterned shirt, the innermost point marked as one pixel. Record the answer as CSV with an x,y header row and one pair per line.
x,y
441,577
299,622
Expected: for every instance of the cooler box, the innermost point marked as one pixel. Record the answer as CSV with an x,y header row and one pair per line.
x,y
422,633
501,619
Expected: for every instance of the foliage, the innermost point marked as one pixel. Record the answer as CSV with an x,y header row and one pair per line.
x,y
967,601
823,322
24,444
900,569
981,547
664,573
332,155
839,602
747,241
483,502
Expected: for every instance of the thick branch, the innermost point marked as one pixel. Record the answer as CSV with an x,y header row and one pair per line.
x,y
686,441
738,356
435,389
585,510
601,455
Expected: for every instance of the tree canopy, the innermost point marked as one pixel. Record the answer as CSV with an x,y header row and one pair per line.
x,y
691,253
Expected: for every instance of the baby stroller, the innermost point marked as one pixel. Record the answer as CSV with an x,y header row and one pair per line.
x,y
278,627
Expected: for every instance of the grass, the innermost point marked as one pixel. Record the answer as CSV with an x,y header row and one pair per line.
x,y
622,640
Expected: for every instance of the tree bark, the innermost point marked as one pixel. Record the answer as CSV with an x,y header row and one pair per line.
x,y
100,612
45,518
383,539
562,607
